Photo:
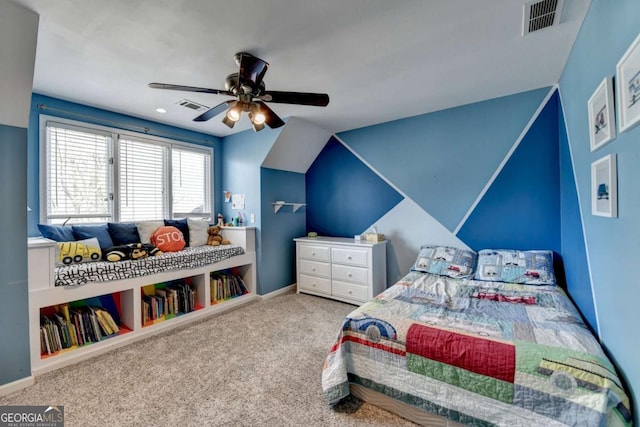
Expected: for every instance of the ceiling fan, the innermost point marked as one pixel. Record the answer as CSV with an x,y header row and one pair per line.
x,y
251,95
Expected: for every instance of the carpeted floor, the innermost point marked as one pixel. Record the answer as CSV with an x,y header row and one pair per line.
x,y
259,365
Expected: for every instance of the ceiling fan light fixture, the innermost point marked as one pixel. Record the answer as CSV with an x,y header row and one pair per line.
x,y
233,113
256,115
248,88
228,122
257,127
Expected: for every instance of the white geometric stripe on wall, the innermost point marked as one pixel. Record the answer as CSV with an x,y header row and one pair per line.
x,y
407,226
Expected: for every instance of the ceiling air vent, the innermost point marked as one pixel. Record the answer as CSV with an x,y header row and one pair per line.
x,y
193,105
541,14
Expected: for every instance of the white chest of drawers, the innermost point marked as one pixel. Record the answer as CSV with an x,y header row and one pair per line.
x,y
341,268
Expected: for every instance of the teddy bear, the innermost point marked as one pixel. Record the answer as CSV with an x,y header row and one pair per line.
x,y
215,239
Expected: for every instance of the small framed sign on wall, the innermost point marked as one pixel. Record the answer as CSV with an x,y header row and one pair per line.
x,y
604,187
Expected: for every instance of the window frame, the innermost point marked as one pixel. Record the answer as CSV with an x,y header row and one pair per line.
x,y
113,175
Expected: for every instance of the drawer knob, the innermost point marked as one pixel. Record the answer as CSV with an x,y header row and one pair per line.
x,y
350,292
313,269
313,284
349,274
349,257
313,254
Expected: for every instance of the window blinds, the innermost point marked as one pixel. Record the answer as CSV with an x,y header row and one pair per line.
x,y
78,169
98,175
143,183
191,182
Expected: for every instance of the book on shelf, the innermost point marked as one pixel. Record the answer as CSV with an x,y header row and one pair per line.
x,y
64,326
167,301
226,285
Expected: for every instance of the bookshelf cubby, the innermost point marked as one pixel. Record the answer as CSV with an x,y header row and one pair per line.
x,y
123,299
227,284
166,301
75,324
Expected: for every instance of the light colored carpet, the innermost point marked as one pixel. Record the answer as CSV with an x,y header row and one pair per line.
x,y
259,365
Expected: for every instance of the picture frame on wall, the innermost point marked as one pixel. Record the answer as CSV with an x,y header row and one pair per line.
x,y
602,119
604,187
628,87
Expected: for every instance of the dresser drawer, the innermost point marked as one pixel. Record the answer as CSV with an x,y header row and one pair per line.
x,y
315,284
348,273
314,268
318,253
349,256
349,290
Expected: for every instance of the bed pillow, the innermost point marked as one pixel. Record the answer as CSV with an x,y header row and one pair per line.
x,y
198,232
75,252
131,251
146,229
168,239
182,225
59,233
512,266
100,232
445,261
123,233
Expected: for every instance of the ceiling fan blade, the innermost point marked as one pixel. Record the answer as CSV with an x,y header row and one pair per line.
x,y
271,119
212,112
252,70
302,98
189,88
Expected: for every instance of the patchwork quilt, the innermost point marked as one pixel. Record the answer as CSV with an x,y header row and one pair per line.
x,y
478,353
104,271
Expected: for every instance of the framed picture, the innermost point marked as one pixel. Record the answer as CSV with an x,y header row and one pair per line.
x,y
602,119
604,187
628,86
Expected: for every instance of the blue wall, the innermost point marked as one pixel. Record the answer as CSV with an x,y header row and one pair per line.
x,y
447,155
521,209
612,243
14,309
576,267
243,154
494,163
83,113
277,230
344,196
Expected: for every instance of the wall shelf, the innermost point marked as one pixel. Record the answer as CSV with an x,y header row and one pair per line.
x,y
278,205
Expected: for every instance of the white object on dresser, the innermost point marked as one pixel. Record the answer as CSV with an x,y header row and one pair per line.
x,y
341,268
43,295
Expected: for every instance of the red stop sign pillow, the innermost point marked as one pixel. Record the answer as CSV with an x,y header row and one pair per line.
x,y
168,239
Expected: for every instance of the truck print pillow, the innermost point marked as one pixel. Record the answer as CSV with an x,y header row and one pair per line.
x,y
524,267
445,261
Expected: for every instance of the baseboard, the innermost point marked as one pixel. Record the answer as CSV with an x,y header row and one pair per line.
x,y
278,292
14,386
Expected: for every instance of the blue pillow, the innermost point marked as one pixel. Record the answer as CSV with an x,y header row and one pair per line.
x,y
180,224
445,261
100,232
59,233
123,233
513,266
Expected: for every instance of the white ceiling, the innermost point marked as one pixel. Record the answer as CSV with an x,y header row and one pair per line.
x,y
378,60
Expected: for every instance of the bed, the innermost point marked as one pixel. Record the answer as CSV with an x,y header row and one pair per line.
x,y
444,350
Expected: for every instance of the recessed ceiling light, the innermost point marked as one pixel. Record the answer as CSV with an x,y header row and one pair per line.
x,y
161,110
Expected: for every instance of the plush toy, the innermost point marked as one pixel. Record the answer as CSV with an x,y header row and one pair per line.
x,y
215,239
130,251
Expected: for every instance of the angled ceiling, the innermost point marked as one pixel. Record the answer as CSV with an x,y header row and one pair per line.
x,y
378,60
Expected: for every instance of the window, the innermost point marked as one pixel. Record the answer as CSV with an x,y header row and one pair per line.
x,y
98,174
78,178
190,190
142,180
